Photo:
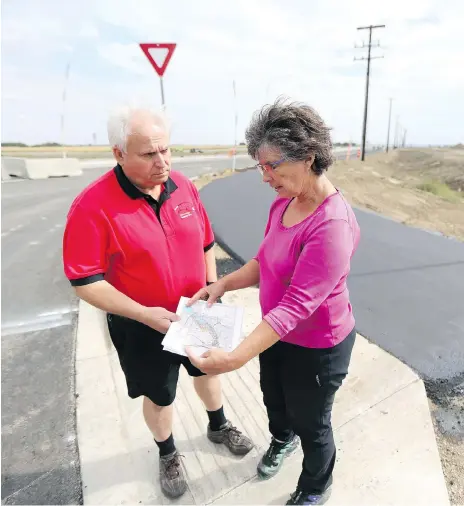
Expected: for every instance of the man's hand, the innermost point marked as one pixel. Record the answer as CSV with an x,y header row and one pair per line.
x,y
210,293
158,318
214,361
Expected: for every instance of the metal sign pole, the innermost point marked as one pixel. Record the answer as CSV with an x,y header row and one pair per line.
x,y
235,128
162,94
66,79
160,68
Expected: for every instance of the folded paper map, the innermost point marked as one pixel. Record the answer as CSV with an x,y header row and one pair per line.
x,y
203,328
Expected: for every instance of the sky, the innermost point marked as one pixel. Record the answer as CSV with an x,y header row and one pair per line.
x,y
303,49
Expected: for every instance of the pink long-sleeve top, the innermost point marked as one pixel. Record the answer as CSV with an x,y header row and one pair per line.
x,y
303,272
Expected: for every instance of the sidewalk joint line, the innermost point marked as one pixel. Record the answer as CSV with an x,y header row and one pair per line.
x,y
378,402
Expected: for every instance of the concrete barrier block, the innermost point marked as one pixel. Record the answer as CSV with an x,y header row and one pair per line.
x,y
5,175
14,166
41,168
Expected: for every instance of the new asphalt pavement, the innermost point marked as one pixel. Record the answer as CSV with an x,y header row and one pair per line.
x,y
40,462
406,284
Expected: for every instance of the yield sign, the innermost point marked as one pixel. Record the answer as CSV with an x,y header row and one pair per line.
x,y
164,54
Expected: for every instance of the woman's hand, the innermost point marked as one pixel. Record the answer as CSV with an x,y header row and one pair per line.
x,y
214,361
210,293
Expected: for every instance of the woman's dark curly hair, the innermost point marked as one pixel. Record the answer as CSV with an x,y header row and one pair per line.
x,y
295,129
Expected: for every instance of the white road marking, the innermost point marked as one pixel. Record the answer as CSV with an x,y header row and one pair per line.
x,y
33,243
13,180
45,320
64,310
19,196
14,229
44,475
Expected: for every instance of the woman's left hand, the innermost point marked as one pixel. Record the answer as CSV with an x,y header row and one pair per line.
x,y
214,361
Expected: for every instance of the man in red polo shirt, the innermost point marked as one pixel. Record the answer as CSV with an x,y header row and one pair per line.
x,y
136,240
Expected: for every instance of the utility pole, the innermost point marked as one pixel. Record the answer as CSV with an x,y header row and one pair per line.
x,y
369,58
404,137
397,130
389,120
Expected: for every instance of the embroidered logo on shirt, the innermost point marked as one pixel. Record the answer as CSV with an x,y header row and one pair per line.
x,y
184,210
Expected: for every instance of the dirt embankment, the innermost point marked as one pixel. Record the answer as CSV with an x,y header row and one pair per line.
x,y
421,188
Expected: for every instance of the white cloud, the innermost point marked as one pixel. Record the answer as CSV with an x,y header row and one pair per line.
x,y
26,30
88,31
302,49
126,56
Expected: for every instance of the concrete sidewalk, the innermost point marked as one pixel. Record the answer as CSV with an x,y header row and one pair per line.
x,y
386,444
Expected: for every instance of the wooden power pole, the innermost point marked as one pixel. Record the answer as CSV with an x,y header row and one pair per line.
x,y
366,100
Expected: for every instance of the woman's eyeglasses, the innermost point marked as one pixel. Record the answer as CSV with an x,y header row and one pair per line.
x,y
268,167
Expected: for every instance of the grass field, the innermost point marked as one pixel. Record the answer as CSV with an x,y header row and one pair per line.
x,y
89,152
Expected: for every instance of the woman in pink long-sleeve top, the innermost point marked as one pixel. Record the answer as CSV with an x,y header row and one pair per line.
x,y
305,339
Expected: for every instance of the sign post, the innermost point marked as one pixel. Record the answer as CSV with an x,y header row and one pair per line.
x,y
149,50
235,127
66,79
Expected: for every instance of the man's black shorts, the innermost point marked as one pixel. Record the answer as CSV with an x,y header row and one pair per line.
x,y
149,370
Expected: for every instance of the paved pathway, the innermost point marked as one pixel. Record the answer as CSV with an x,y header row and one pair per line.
x,y
406,284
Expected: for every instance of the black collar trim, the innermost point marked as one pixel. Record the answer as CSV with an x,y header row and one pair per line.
x,y
134,193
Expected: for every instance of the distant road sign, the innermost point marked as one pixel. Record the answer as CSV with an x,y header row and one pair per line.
x,y
161,62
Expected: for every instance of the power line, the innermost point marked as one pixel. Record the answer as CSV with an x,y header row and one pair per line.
x,y
369,58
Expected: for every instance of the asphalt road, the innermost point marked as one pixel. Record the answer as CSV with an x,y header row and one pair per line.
x,y
40,462
406,284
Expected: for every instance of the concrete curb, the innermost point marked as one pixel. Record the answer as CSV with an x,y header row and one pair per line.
x,y
387,448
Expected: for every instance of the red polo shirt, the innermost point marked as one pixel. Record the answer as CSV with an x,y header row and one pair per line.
x,y
152,251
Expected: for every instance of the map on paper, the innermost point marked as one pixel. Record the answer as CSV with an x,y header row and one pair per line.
x,y
202,328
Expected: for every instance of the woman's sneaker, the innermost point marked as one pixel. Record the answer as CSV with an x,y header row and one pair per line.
x,y
273,459
306,498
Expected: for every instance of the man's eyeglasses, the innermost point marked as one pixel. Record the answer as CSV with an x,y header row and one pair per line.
x,y
268,167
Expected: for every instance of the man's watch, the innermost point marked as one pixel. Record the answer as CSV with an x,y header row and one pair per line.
x,y
218,300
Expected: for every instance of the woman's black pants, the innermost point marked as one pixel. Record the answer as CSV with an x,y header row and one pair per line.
x,y
299,386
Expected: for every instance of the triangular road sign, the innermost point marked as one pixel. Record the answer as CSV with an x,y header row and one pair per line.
x,y
163,56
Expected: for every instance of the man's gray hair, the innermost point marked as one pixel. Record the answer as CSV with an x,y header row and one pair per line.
x,y
123,119
295,129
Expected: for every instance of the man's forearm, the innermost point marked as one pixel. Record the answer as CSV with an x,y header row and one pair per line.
x,y
105,297
210,263
246,276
